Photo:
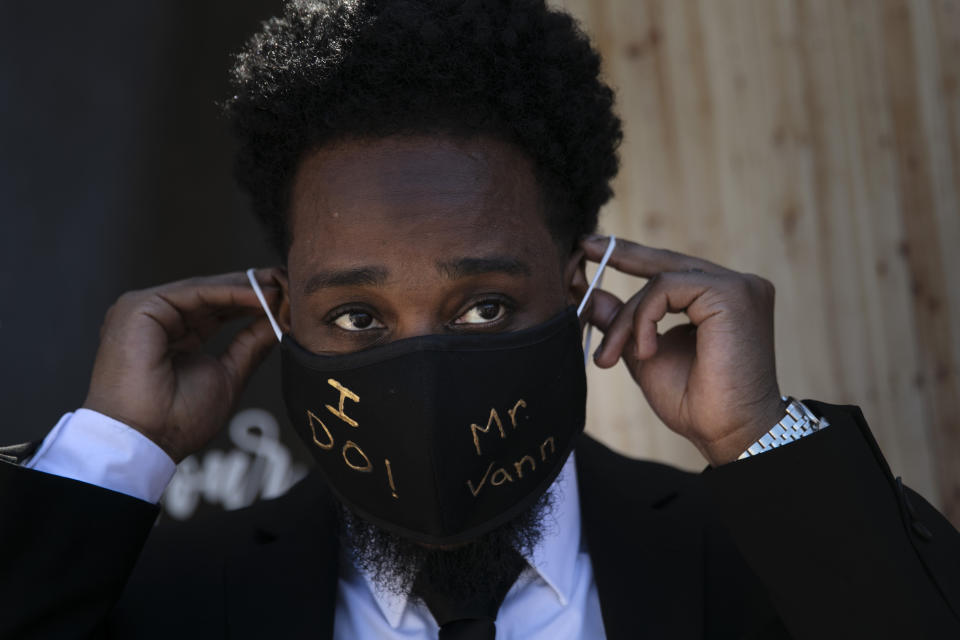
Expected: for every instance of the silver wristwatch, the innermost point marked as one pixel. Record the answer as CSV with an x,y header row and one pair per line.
x,y
798,422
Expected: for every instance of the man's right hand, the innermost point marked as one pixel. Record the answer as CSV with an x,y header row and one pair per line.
x,y
152,372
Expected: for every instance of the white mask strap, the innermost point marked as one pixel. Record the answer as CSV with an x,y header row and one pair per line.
x,y
263,303
597,279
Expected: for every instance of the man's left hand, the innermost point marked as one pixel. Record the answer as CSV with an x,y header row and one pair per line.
x,y
714,380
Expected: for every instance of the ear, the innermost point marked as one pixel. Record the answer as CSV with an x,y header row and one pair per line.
x,y
575,280
282,278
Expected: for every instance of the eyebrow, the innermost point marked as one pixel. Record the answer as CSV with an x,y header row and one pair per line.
x,y
465,267
376,276
371,276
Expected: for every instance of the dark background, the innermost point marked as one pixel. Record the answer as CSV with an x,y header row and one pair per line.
x,y
813,143
115,175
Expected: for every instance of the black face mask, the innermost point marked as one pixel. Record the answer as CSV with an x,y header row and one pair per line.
x,y
441,438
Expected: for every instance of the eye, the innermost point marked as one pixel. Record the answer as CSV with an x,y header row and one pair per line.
x,y
357,321
483,313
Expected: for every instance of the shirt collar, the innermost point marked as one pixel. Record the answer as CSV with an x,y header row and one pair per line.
x,y
553,560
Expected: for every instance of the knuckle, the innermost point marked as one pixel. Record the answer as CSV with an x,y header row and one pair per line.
x,y
742,284
655,286
146,299
760,285
134,298
108,318
657,280
123,306
148,303
769,290
126,299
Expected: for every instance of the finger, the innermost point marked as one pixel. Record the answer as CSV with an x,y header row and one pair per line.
x,y
618,333
601,309
636,322
200,329
676,352
672,293
640,260
209,302
218,294
247,350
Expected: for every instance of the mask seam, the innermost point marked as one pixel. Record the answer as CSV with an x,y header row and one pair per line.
x,y
431,399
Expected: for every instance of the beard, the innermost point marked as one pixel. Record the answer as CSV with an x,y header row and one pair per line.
x,y
393,563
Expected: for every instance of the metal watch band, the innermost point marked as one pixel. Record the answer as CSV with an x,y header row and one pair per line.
x,y
798,422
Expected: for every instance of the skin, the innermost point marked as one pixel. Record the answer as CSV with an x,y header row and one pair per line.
x,y
400,237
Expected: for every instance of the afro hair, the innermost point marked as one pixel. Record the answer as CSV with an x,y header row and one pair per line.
x,y
512,69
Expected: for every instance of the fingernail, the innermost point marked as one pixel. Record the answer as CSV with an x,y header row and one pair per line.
x,y
596,354
595,237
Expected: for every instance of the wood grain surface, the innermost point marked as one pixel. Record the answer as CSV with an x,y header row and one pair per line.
x,y
816,143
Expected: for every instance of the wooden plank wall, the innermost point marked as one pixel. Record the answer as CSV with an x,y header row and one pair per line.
x,y
817,143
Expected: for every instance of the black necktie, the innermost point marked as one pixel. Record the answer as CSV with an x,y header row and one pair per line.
x,y
473,618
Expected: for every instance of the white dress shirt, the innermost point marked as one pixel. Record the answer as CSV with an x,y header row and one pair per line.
x,y
93,448
553,599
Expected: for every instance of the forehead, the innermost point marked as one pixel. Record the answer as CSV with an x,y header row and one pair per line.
x,y
412,199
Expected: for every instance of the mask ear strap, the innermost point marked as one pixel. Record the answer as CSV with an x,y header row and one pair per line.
x,y
263,303
598,276
597,279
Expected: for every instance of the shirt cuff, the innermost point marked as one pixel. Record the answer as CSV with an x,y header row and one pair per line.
x,y
93,448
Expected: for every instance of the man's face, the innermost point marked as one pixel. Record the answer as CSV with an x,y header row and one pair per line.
x,y
406,236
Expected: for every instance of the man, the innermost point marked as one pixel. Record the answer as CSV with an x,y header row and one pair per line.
x,y
431,173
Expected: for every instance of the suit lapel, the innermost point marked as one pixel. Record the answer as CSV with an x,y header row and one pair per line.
x,y
282,582
645,546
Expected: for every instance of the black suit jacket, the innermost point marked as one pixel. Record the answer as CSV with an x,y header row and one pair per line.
x,y
813,540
